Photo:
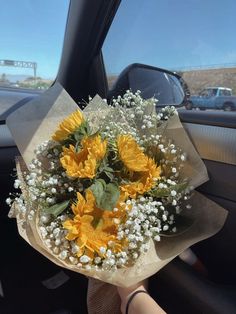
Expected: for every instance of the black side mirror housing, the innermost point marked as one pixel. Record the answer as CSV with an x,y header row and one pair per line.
x,y
166,86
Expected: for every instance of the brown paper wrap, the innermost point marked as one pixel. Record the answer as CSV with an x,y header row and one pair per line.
x,y
102,298
34,122
208,219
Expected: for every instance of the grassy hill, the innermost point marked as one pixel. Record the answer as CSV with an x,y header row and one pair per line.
x,y
199,79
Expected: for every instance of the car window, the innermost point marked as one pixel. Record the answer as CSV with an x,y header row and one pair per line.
x,y
31,35
187,37
225,92
204,93
213,92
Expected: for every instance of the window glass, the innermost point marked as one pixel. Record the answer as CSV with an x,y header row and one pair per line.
x,y
225,92
31,35
193,38
204,93
213,92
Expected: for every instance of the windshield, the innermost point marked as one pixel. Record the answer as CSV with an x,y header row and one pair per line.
x,y
192,38
31,35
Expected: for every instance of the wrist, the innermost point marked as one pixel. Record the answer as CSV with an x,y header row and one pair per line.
x,y
126,294
130,301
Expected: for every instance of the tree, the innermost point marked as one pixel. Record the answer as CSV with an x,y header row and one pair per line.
x,y
3,78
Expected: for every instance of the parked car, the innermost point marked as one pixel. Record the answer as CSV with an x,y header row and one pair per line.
x,y
213,98
32,284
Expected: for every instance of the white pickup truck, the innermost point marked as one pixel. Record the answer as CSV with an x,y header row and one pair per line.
x,y
213,98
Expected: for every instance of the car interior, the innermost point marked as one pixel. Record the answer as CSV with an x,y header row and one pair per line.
x,y
29,283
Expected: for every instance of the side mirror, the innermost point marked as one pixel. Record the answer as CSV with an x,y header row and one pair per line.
x,y
166,86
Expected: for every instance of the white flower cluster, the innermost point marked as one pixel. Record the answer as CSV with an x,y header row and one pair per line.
x,y
147,219
46,179
131,114
19,201
54,237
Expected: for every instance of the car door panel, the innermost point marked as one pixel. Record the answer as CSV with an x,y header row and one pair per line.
x,y
212,142
216,145
180,290
191,291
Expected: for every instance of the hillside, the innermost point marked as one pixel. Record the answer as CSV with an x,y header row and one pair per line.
x,y
199,79
195,79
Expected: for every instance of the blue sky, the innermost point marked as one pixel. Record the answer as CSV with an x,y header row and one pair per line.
x,y
172,34
164,33
32,30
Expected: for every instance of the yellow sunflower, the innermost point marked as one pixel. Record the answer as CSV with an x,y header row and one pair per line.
x,y
68,126
91,227
142,182
143,170
131,154
84,163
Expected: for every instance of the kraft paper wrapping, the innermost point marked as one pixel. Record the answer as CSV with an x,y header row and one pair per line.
x,y
34,122
37,120
208,219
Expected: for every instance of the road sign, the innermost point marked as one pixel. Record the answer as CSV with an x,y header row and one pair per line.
x,y
20,64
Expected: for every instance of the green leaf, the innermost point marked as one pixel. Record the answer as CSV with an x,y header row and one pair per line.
x,y
110,196
181,186
57,209
109,175
161,193
98,188
77,147
108,169
95,134
81,131
106,195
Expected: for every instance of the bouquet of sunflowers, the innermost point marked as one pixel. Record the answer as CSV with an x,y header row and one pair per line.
x,y
109,192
